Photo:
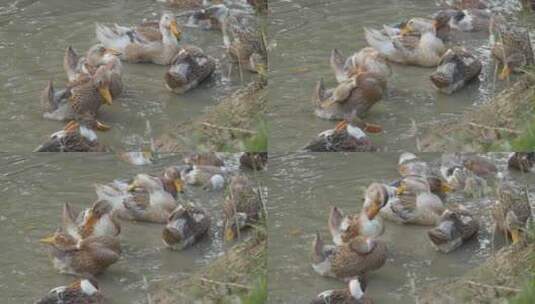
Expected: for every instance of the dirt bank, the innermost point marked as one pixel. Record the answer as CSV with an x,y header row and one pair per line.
x,y
227,126
501,277
236,277
489,127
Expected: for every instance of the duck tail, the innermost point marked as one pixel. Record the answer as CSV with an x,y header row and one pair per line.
x,y
70,62
68,221
317,249
48,103
110,194
337,65
382,43
110,38
319,93
335,220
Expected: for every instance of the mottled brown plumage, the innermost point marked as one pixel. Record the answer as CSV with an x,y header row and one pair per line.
x,y
186,225
88,257
368,90
455,227
254,160
204,159
456,69
188,69
242,206
356,258
521,161
512,210
83,291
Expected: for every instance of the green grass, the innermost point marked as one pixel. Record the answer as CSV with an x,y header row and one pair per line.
x,y
259,294
259,141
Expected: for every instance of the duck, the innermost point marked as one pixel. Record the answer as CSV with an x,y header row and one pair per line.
x,y
347,136
355,293
244,43
422,50
511,46
81,291
456,69
77,67
455,227
511,211
521,161
87,257
479,165
209,177
137,158
143,44
471,20
355,97
80,69
204,159
413,203
465,4
75,137
255,161
97,221
242,207
145,199
367,223
189,68
366,60
356,258
409,164
80,101
415,27
186,225
212,16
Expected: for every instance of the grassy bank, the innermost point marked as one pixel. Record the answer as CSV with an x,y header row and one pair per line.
x,y
505,122
508,276
236,121
238,277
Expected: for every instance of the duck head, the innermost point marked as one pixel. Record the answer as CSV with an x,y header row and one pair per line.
x,y
98,55
102,80
172,175
438,185
375,198
168,27
60,241
234,224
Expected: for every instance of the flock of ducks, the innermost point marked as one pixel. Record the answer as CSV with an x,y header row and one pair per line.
x,y
96,78
88,241
418,198
426,42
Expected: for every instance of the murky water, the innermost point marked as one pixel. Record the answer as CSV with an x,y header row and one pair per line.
x,y
303,189
33,191
33,37
304,33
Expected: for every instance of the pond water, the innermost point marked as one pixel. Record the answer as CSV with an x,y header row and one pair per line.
x,y
303,34
33,37
303,188
34,189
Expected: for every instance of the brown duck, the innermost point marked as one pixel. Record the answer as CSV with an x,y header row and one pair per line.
x,y
188,69
512,211
204,159
242,206
83,99
355,97
355,293
99,220
186,225
145,43
356,258
456,226
75,137
87,257
367,223
83,291
254,160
